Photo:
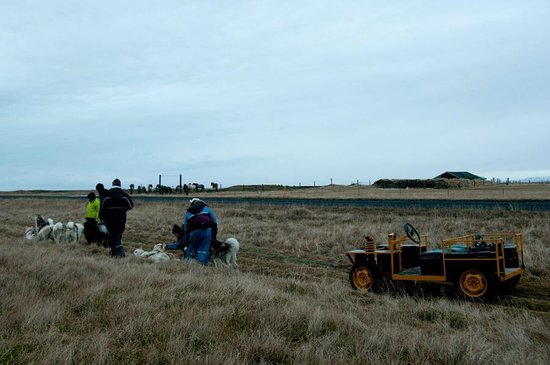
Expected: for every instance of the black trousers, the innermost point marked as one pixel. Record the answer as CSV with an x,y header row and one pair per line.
x,y
91,232
115,240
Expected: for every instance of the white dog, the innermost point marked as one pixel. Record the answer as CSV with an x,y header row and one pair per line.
x,y
226,251
73,231
41,231
43,235
156,255
58,232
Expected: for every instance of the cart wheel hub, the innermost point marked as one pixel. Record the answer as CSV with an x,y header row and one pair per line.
x,y
473,284
363,279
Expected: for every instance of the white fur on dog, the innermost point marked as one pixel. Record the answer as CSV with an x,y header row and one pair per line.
x,y
80,229
73,231
45,233
156,255
54,231
103,229
228,255
40,232
58,232
30,233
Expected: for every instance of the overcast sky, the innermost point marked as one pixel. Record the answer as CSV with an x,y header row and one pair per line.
x,y
281,92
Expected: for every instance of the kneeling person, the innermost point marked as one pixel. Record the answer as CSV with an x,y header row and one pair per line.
x,y
200,226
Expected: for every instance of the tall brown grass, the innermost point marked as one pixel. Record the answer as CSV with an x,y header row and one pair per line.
x,y
74,304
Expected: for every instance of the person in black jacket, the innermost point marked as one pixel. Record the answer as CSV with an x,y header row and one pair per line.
x,y
113,210
101,191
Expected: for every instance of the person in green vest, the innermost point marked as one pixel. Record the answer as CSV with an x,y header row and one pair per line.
x,y
92,218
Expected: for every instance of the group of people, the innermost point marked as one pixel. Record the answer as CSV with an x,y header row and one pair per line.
x,y
199,226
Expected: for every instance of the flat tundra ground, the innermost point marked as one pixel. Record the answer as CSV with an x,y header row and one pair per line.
x,y
289,302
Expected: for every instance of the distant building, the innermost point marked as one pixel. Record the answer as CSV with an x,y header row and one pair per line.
x,y
459,175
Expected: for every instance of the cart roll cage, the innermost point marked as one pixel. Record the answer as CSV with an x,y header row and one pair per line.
x,y
496,241
490,246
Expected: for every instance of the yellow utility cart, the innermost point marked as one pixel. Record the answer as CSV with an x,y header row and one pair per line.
x,y
477,265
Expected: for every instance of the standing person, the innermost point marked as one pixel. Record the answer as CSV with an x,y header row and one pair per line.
x,y
200,226
102,231
101,191
92,218
113,210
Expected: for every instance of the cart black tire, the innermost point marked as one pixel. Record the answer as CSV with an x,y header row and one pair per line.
x,y
411,232
363,277
473,285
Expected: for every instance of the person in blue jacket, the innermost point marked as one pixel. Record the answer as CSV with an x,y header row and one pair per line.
x,y
200,226
179,244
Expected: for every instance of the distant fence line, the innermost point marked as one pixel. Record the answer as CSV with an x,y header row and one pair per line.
x,y
507,205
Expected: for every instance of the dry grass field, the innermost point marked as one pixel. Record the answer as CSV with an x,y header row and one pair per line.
x,y
289,303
